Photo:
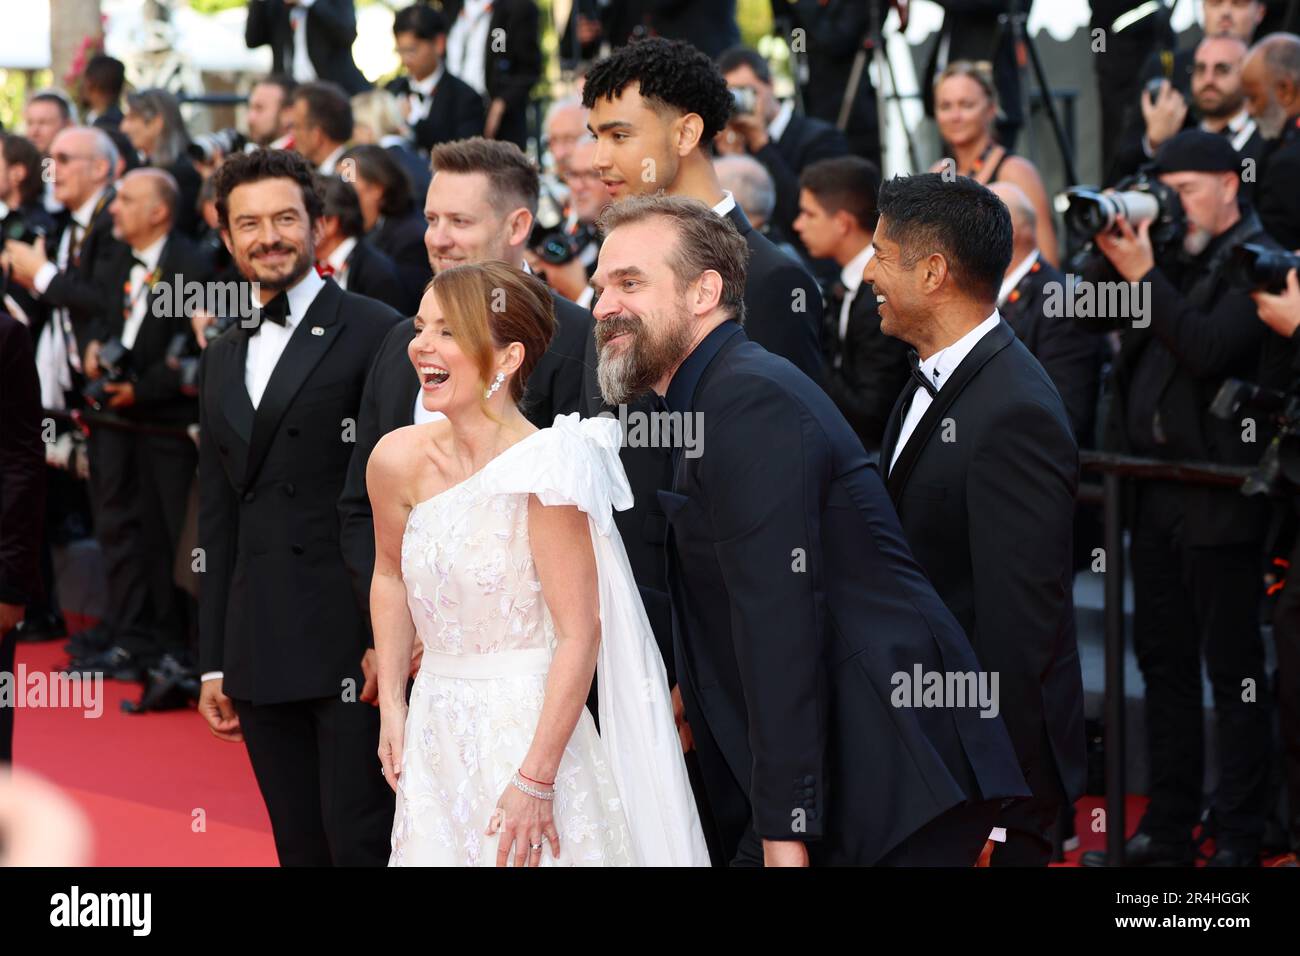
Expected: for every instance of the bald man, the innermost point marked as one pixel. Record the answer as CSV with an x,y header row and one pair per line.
x,y
1271,79
1070,356
144,473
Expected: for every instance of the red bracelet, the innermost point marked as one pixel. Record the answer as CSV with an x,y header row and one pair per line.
x,y
540,783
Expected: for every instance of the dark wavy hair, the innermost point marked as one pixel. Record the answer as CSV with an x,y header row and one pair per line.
x,y
376,165
19,151
243,168
670,73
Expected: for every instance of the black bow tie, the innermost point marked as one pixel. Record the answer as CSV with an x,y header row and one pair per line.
x,y
277,311
921,378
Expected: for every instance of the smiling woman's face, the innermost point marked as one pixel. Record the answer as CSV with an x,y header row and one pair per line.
x,y
449,379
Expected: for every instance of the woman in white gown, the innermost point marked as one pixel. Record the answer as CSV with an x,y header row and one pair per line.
x,y
496,549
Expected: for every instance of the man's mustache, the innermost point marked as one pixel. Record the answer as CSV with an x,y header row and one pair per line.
x,y
258,251
617,325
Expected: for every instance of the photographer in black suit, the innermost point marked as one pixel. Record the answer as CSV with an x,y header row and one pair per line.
x,y
1070,356
1196,550
436,106
495,47
480,207
346,254
24,217
865,369
146,467
656,105
983,468
796,603
308,41
784,141
284,650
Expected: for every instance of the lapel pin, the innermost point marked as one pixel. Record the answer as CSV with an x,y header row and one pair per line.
x,y
317,330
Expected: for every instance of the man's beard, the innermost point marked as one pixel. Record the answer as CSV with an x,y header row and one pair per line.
x,y
1272,120
1196,241
301,262
641,361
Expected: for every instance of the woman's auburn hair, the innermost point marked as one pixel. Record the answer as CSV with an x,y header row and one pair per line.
x,y
489,305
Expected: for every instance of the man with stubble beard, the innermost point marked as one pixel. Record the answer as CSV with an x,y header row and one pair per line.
x,y
283,647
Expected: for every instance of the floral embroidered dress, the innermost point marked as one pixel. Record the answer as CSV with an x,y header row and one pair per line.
x,y
488,638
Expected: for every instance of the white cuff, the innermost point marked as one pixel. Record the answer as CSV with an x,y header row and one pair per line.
x,y
1147,147
44,276
997,834
211,675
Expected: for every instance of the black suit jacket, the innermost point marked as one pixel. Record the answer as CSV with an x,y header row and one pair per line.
x,y
804,141
401,238
985,490
865,371
331,30
158,396
388,403
511,68
275,610
783,306
92,280
1277,195
373,274
416,166
455,113
796,602
1071,356
22,466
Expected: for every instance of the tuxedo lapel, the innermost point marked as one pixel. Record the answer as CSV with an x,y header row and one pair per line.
x,y
305,349
895,424
987,347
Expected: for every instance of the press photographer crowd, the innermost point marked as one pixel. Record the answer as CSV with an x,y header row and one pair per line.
x,y
260,368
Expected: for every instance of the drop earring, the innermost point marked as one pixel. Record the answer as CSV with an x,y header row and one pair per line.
x,y
501,377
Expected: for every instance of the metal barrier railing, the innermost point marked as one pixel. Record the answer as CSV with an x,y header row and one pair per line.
x,y
1114,470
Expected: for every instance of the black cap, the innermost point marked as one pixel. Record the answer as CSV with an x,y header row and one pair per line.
x,y
1196,151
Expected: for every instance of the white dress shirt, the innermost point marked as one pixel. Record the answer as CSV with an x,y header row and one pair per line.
x,y
467,43
851,278
420,98
776,129
303,70
1241,126
326,168
266,347
1016,274
138,295
338,260
725,204
938,368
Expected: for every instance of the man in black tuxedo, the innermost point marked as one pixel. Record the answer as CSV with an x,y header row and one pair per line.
x,y
656,105
322,124
1030,301
480,207
798,612
145,470
437,106
308,41
1218,105
22,497
983,468
346,254
1271,78
101,91
784,141
282,643
393,221
865,369
504,66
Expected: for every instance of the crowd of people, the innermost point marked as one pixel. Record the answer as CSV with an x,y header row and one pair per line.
x,y
905,401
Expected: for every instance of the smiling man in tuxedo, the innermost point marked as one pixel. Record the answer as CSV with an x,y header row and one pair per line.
x,y
983,467
283,646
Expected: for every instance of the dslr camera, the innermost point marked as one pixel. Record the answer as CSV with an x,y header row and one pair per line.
x,y
1088,211
1256,266
114,367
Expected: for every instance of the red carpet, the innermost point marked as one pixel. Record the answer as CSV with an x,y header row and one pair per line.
x,y
159,789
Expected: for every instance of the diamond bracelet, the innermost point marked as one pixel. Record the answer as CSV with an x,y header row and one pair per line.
x,y
532,791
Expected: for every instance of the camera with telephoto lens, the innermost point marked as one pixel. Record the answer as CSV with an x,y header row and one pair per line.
x,y
114,368
744,99
1137,199
204,148
1256,266
1278,471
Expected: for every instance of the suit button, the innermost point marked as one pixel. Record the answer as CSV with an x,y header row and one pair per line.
x,y
290,490
249,496
293,433
296,549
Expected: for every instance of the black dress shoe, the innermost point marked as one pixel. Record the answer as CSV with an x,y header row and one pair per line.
x,y
44,627
1141,850
93,640
170,685
1227,856
116,663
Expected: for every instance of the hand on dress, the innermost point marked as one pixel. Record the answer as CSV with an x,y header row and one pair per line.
x,y
523,821
392,739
